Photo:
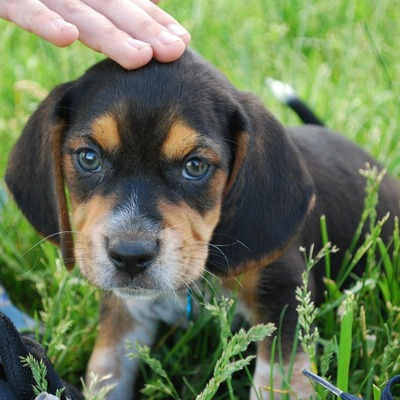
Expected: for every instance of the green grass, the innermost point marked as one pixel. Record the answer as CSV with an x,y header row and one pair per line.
x,y
343,58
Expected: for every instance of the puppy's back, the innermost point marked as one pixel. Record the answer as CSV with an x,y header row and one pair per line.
x,y
334,163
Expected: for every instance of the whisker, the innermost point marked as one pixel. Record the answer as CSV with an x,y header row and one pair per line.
x,y
235,241
48,237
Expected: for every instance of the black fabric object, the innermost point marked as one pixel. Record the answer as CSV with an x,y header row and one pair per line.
x,y
16,381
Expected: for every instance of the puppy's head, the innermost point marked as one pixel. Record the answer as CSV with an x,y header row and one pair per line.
x,y
148,178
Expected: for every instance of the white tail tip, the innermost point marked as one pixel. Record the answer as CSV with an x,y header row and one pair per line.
x,y
282,91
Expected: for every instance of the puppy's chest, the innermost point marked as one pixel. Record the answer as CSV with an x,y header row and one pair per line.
x,y
170,309
180,308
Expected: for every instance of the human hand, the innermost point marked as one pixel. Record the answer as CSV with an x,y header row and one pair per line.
x,y
131,32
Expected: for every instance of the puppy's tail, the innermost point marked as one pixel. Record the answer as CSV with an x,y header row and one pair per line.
x,y
286,94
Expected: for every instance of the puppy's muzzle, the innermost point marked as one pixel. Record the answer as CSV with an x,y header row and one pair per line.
x,y
132,256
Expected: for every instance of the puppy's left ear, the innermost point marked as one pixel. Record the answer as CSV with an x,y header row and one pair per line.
x,y
267,197
35,176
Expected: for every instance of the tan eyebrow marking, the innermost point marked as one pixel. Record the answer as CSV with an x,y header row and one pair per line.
x,y
105,131
181,140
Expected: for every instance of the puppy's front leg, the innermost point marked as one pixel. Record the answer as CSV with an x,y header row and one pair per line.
x,y
262,383
267,377
118,325
268,295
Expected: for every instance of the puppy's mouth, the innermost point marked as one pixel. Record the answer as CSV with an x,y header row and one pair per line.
x,y
141,294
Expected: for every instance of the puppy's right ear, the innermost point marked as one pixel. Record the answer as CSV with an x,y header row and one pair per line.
x,y
268,195
34,173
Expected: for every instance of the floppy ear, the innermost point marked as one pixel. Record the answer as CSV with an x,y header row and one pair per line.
x,y
268,195
34,173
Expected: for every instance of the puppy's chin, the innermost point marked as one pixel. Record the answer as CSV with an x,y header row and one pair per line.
x,y
141,294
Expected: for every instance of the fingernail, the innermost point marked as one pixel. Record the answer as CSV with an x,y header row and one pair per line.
x,y
167,38
137,44
177,29
62,25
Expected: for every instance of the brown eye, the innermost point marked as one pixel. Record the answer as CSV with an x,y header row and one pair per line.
x,y
195,168
88,160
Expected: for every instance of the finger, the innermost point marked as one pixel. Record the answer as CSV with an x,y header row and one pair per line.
x,y
105,38
100,34
33,16
163,18
135,20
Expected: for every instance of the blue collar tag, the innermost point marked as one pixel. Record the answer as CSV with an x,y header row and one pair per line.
x,y
189,300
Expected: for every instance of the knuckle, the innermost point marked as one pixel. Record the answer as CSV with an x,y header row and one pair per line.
x,y
148,25
72,6
109,29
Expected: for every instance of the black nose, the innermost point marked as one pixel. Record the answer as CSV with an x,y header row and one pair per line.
x,y
132,256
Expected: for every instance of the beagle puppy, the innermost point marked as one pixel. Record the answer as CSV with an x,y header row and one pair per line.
x,y
156,178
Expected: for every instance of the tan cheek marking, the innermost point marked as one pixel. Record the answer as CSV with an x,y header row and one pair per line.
x,y
87,215
182,218
95,205
88,222
180,140
194,232
105,131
